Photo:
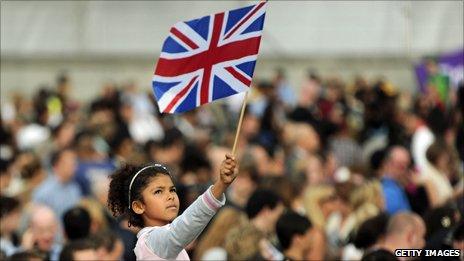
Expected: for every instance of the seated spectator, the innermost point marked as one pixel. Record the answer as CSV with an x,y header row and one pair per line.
x,y
422,136
435,174
294,233
62,136
59,191
320,202
76,223
395,168
82,249
92,161
263,209
98,221
405,230
42,232
366,201
109,245
246,182
370,234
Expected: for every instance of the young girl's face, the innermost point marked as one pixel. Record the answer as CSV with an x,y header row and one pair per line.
x,y
160,201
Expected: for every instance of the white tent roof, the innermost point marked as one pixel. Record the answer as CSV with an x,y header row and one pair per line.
x,y
292,29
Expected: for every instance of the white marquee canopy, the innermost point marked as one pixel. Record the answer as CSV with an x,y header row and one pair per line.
x,y
292,28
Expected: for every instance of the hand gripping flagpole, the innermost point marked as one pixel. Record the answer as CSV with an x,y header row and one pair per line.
x,y
237,133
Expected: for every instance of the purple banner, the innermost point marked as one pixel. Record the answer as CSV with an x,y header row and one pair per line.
x,y
450,64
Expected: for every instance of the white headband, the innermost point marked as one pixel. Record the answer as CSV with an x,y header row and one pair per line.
x,y
136,174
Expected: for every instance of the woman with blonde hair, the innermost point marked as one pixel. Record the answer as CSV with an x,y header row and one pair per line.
x,y
367,201
319,202
210,246
97,216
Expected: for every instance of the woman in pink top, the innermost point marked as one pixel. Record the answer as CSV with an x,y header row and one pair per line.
x,y
148,196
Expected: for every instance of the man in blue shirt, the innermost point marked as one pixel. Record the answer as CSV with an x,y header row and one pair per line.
x,y
59,191
395,167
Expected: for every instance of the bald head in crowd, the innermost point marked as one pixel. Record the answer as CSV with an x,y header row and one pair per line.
x,y
405,230
43,227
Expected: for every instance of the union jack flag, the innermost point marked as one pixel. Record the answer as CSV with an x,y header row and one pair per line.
x,y
209,58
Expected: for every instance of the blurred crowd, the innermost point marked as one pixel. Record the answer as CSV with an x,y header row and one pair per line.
x,y
330,170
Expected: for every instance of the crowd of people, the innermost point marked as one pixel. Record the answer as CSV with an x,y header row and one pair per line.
x,y
331,170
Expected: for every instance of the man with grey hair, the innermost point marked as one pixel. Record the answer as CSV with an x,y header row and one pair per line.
x,y
405,230
43,232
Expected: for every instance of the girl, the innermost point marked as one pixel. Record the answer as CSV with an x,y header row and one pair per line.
x,y
148,197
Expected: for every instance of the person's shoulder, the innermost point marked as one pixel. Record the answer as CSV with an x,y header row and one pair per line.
x,y
149,230
379,254
389,183
45,187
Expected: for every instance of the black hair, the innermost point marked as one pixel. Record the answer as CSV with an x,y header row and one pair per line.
x,y
81,244
377,159
260,199
437,121
8,205
4,165
379,255
76,223
370,231
194,160
171,137
27,255
289,225
118,196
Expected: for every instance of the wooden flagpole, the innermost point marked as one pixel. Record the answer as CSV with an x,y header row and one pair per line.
x,y
237,133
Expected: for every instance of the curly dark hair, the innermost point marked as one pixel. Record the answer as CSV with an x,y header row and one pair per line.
x,y
118,196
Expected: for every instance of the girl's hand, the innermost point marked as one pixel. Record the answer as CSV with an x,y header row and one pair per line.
x,y
227,174
227,170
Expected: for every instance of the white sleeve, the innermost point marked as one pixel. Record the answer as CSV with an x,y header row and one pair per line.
x,y
419,145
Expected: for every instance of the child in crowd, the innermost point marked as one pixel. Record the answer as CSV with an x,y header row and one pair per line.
x,y
148,196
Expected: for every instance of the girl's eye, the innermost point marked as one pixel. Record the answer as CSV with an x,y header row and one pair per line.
x,y
173,190
158,191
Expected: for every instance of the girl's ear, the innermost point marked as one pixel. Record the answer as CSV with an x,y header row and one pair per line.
x,y
138,207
